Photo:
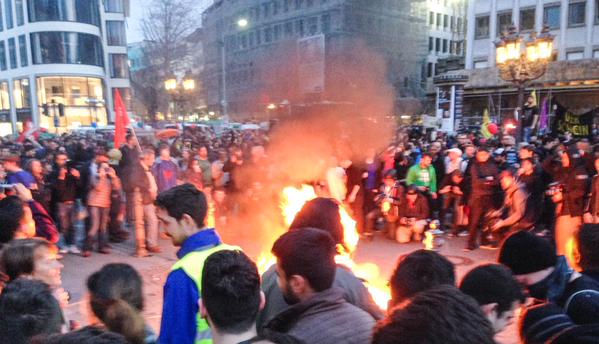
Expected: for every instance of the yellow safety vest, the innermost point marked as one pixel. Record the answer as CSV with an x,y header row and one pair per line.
x,y
193,264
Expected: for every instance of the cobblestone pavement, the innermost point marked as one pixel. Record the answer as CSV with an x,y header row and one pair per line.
x,y
155,269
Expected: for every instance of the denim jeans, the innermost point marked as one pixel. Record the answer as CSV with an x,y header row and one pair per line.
x,y
99,222
66,219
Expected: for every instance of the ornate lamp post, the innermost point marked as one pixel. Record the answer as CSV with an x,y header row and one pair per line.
x,y
520,62
178,93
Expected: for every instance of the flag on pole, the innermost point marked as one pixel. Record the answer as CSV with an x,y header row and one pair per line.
x,y
544,117
121,120
484,128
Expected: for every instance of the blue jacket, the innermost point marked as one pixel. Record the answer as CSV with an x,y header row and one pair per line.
x,y
181,295
21,177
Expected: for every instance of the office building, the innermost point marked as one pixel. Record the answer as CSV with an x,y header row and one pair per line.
x,y
297,52
63,57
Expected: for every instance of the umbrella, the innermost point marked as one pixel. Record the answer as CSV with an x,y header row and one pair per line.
x,y
250,127
167,133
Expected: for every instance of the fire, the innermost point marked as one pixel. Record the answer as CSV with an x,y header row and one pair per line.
x,y
292,202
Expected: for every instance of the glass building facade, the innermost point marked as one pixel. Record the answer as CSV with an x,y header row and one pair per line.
x,y
86,60
67,48
81,11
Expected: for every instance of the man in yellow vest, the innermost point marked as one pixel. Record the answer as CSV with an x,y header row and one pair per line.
x,y
182,213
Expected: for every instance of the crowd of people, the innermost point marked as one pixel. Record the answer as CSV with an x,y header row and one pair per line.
x,y
537,203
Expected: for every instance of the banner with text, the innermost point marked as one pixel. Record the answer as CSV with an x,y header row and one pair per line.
x,y
577,125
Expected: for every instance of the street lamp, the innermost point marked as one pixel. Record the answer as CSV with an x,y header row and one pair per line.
x,y
242,23
179,93
520,66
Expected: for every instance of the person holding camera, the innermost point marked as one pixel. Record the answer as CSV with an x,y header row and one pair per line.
x,y
413,214
98,202
65,181
569,195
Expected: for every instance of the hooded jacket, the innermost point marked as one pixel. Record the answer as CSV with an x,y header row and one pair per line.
x,y
575,182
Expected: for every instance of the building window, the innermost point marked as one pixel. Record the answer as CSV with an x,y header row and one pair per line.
x,y
504,21
444,45
551,16
286,5
22,93
115,33
439,20
325,23
431,44
431,18
66,47
299,27
114,6
265,10
445,21
1,19
459,25
12,53
576,14
64,10
299,4
527,19
437,44
275,7
267,35
23,51
574,55
312,25
596,54
481,29
20,15
4,99
276,32
83,99
429,70
289,28
8,13
3,65
452,23
480,64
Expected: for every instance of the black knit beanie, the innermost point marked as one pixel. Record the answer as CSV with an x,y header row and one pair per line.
x,y
524,252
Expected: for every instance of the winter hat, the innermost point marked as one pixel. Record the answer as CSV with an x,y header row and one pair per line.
x,y
115,156
524,252
541,323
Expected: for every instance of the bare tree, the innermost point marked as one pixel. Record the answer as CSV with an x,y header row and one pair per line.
x,y
166,24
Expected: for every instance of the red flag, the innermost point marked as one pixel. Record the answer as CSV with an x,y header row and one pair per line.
x,y
121,121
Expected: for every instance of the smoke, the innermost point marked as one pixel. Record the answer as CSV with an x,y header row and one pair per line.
x,y
350,120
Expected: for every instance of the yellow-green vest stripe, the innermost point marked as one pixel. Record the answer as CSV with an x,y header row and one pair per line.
x,y
193,264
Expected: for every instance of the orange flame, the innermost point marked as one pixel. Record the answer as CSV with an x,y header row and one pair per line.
x,y
292,202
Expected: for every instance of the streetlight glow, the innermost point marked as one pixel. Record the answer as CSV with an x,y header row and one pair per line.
x,y
170,84
271,106
189,84
242,22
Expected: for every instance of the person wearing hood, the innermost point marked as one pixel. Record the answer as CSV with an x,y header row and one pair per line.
x,y
574,181
548,277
